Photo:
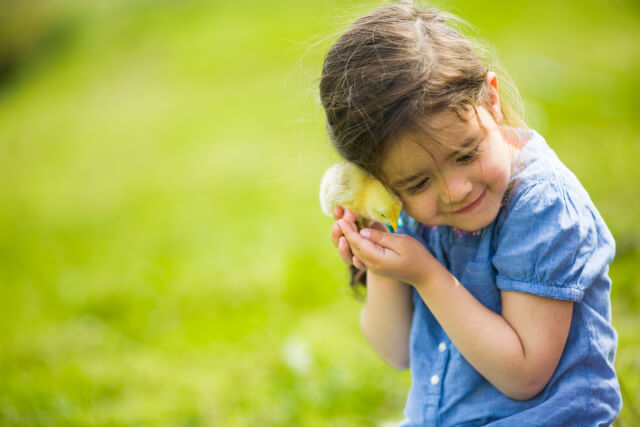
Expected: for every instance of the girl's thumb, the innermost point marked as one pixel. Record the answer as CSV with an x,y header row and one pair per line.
x,y
380,238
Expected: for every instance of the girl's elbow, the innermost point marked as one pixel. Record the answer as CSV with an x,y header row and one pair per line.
x,y
395,356
522,394
527,388
401,364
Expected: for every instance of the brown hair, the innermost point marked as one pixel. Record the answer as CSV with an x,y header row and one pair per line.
x,y
395,66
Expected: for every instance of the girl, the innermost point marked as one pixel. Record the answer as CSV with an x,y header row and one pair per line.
x,y
495,291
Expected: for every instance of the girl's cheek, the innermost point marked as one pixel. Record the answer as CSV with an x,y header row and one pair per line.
x,y
407,205
495,169
422,208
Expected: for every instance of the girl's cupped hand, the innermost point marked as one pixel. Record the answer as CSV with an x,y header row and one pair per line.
x,y
340,242
392,255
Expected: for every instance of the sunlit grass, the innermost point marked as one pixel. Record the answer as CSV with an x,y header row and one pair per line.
x,y
163,257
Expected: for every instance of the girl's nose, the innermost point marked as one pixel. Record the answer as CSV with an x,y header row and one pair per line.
x,y
456,188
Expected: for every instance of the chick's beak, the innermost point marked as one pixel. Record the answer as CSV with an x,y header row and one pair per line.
x,y
394,225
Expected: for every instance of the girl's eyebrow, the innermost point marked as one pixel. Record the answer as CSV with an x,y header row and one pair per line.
x,y
404,181
467,142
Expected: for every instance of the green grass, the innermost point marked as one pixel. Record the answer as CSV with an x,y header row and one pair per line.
x,y
162,247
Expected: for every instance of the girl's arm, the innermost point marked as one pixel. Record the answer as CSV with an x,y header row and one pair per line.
x,y
386,316
386,319
517,351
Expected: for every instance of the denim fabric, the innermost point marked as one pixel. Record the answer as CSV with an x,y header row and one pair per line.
x,y
548,239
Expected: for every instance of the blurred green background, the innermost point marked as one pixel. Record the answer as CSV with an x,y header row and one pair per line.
x,y
163,256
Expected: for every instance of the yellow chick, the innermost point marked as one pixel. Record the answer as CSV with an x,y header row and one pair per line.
x,y
347,185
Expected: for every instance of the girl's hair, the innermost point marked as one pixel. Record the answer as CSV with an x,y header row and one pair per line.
x,y
393,68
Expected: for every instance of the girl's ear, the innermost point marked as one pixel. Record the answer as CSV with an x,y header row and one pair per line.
x,y
494,97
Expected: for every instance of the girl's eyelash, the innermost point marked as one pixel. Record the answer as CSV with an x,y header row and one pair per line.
x,y
418,186
469,156
466,158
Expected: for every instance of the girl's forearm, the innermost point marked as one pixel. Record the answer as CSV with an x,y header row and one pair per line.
x,y
484,337
517,350
386,319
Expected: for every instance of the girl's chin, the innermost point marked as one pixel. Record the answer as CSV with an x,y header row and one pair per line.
x,y
471,221
477,220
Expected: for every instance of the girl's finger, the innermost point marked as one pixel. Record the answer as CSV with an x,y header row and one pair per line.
x,y
362,248
337,212
346,225
336,233
349,215
381,238
358,264
344,251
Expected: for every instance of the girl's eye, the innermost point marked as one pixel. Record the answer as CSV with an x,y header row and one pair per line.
x,y
468,157
419,186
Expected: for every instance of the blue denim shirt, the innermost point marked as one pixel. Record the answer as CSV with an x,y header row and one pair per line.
x,y
548,239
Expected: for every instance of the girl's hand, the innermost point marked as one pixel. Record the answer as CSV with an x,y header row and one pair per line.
x,y
340,242
392,255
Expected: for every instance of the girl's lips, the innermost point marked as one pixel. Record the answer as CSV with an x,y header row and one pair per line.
x,y
471,206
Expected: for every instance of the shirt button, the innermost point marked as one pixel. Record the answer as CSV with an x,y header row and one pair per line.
x,y
435,380
442,347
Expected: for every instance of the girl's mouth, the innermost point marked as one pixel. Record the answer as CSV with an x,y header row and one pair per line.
x,y
471,206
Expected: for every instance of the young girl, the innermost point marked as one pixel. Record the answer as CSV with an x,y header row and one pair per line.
x,y
495,291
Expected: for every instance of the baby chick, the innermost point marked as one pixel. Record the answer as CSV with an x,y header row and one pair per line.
x,y
347,185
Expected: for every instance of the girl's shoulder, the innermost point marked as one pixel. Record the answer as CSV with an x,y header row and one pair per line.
x,y
549,231
540,178
535,162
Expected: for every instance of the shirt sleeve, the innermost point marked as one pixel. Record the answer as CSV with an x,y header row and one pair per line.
x,y
548,244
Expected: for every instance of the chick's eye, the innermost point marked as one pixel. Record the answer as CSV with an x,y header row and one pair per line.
x,y
380,213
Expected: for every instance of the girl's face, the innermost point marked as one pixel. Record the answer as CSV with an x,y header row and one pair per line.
x,y
458,181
